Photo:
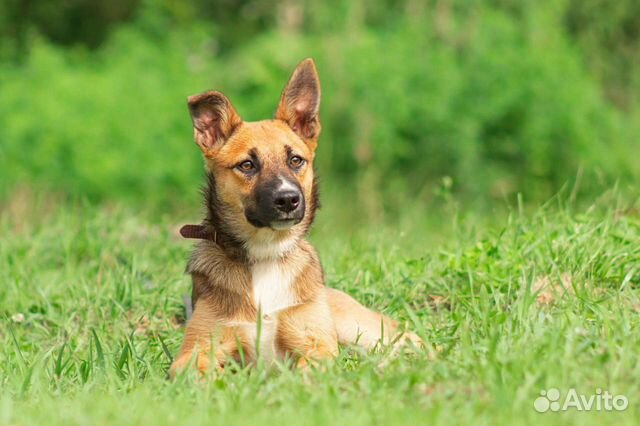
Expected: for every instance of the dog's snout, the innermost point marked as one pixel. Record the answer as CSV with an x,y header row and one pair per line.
x,y
287,201
279,203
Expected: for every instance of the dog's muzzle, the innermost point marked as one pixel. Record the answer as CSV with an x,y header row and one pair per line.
x,y
278,204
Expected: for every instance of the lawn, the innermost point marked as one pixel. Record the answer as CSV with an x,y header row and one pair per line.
x,y
509,303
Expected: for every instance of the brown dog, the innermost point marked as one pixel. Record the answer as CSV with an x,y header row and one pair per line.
x,y
258,288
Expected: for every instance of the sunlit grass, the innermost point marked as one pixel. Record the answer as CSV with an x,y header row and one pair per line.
x,y
92,312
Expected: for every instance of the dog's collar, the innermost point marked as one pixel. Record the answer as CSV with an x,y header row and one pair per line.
x,y
199,232
204,232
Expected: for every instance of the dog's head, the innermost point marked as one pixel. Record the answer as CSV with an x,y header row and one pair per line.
x,y
263,184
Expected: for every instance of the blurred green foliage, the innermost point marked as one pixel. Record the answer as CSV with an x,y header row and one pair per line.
x,y
491,98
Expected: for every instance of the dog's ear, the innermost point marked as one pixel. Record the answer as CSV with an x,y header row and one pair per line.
x,y
214,119
300,102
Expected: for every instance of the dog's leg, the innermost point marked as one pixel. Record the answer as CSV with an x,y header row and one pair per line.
x,y
356,324
202,332
308,332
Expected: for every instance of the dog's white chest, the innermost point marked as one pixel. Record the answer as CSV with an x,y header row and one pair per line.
x,y
272,287
272,292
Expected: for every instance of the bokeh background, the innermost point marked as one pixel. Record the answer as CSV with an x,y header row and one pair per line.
x,y
475,100
479,163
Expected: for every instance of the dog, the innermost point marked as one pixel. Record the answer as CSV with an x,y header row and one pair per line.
x,y
258,290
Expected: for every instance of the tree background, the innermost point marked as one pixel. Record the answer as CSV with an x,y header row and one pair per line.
x,y
482,100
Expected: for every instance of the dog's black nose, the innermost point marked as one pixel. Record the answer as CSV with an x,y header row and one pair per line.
x,y
287,201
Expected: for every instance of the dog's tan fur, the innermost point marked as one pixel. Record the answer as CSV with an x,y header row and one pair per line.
x,y
262,277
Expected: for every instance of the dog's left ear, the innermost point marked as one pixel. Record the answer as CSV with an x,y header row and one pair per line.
x,y
300,102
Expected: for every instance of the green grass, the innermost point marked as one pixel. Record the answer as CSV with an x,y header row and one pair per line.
x,y
91,312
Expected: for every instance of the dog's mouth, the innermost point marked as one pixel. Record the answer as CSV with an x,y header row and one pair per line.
x,y
284,224
277,223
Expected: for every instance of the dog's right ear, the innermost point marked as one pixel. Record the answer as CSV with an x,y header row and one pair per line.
x,y
214,120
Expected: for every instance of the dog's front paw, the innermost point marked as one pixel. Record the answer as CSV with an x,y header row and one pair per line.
x,y
185,361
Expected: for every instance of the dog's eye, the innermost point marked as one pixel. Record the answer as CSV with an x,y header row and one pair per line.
x,y
247,166
296,161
